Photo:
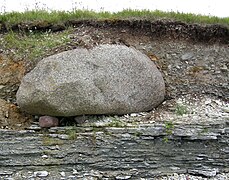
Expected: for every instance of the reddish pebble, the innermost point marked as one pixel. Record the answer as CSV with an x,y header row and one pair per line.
x,y
48,121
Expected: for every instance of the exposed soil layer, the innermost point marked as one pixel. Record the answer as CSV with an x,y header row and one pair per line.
x,y
193,58
167,29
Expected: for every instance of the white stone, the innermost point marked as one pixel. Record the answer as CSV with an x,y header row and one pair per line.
x,y
133,114
74,172
44,156
62,174
41,173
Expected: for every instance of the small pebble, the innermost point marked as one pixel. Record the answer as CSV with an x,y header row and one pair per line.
x,y
44,156
187,56
34,127
226,109
1,86
48,121
74,171
80,119
41,174
62,174
133,114
123,177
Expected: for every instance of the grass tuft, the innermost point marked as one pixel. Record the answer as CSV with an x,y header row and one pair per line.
x,y
72,133
181,109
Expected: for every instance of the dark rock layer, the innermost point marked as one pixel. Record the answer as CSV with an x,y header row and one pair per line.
x,y
139,152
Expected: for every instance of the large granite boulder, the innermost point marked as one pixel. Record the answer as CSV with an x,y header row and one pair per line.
x,y
108,79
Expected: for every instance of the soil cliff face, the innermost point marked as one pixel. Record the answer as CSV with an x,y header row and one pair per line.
x,y
187,134
158,28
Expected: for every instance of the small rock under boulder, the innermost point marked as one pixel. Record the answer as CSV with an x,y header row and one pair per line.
x,y
48,121
108,79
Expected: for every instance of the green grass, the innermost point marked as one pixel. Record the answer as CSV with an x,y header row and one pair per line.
x,y
50,141
72,133
181,109
169,126
32,45
60,16
115,122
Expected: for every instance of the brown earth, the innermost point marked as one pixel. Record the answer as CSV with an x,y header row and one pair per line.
x,y
163,41
11,74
